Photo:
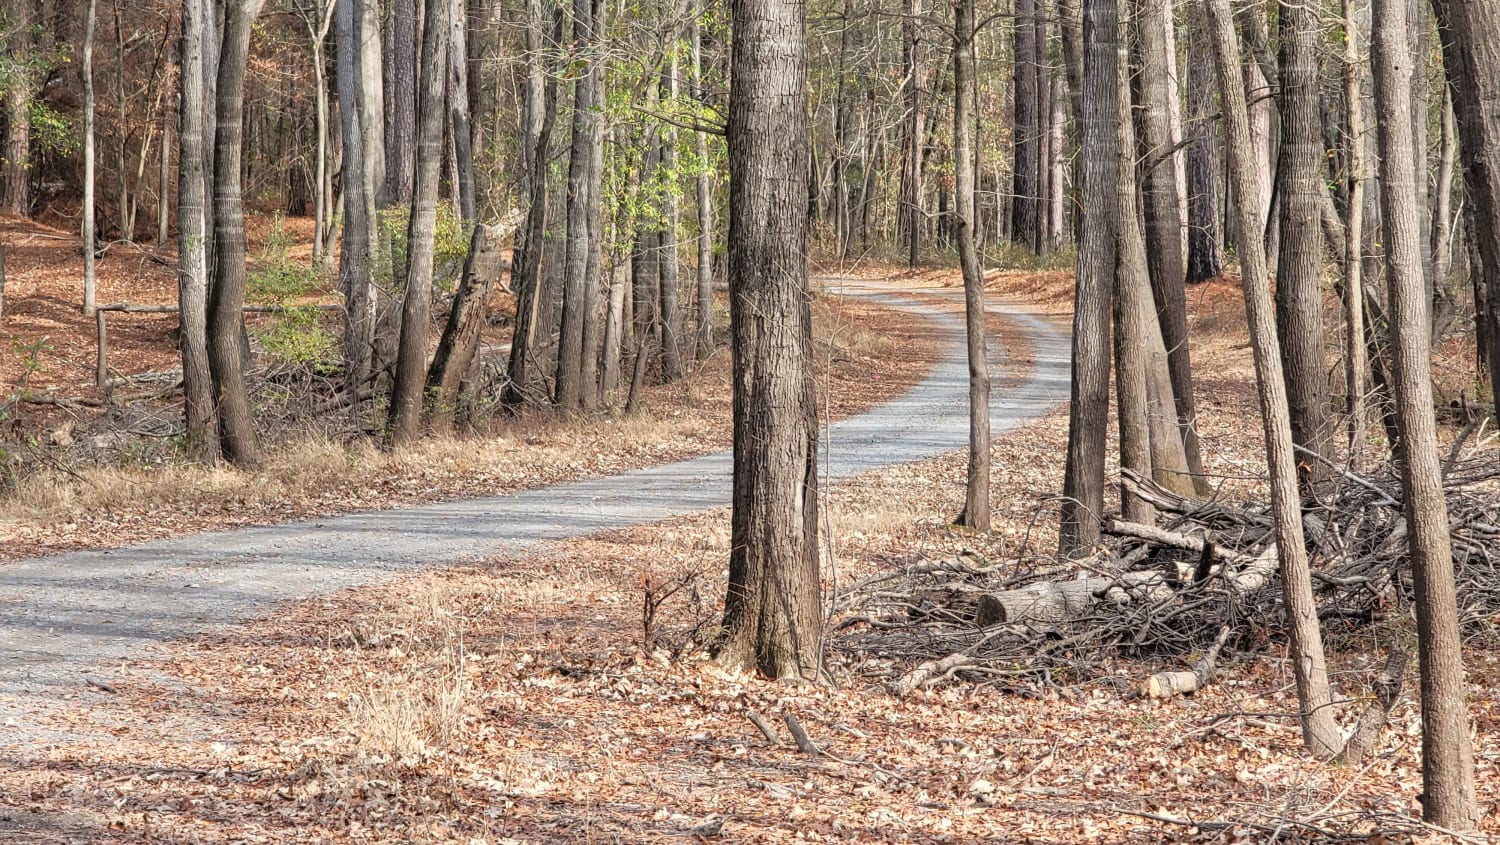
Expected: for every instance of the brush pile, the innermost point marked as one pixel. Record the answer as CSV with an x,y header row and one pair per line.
x,y
1203,576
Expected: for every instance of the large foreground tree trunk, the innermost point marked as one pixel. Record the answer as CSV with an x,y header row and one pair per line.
x,y
1447,753
1320,731
192,239
976,512
1088,414
772,613
226,351
568,384
416,307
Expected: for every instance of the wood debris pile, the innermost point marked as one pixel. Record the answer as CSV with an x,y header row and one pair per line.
x,y
1168,590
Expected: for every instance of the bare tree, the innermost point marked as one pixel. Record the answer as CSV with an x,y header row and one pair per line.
x,y
772,613
705,267
226,351
192,242
399,75
1447,753
416,306
356,252
1320,732
1471,58
568,384
976,512
318,18
1205,260
1355,363
1025,215
914,132
1088,414
1299,294
86,223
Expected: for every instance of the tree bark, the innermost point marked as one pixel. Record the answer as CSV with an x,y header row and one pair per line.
x,y
226,351
1320,732
1205,258
670,261
1471,58
1299,295
460,126
1025,227
1162,195
15,165
976,511
772,612
465,327
86,223
568,384
705,345
192,237
1447,754
910,219
1088,413
416,306
356,249
400,83
1355,364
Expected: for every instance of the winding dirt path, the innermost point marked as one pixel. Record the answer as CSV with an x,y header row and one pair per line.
x,y
65,619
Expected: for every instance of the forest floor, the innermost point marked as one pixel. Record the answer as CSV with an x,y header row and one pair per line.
x,y
537,699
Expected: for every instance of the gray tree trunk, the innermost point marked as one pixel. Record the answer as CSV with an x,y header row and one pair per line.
x,y
976,511
1448,797
86,225
1088,413
192,238
416,307
568,384
1320,731
355,252
399,76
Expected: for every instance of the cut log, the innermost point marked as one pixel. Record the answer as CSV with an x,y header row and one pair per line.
x,y
1168,684
1387,689
1253,573
1054,602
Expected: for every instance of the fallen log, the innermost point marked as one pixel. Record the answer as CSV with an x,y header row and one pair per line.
x,y
1168,684
1056,602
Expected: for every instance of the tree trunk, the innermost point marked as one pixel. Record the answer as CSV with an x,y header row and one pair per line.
x,y
1025,225
910,204
1471,58
1088,413
459,123
192,237
356,249
400,83
568,385
226,351
1320,731
86,223
1299,295
592,322
465,327
15,166
705,345
1162,195
416,307
1355,363
671,352
772,612
1448,797
1205,259
527,266
1442,209
976,512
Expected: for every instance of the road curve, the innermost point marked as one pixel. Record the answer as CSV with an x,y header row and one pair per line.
x,y
66,617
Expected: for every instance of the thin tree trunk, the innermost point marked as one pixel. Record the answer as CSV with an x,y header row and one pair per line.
x,y
355,254
459,123
772,612
15,165
1320,730
1162,195
592,319
976,512
416,306
87,216
910,223
671,351
192,237
1355,363
1024,214
705,270
164,179
1088,414
400,84
226,339
568,387
1299,295
1442,207
1448,797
